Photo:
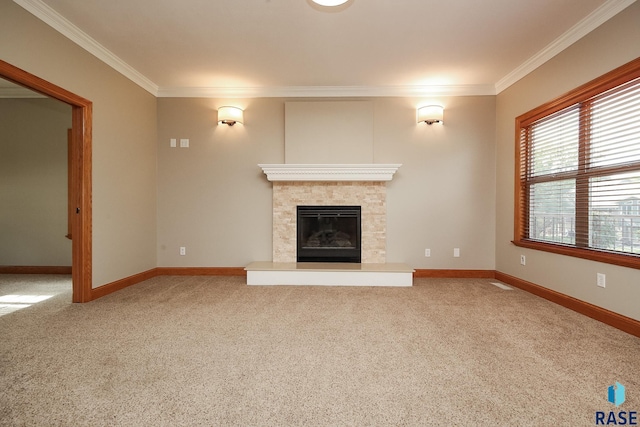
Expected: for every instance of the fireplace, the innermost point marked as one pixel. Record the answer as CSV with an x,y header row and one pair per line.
x,y
317,209
329,234
330,185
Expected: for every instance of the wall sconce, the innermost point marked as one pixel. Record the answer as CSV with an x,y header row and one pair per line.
x,y
431,114
230,115
329,2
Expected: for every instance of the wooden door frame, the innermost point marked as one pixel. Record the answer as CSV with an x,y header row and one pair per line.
x,y
81,125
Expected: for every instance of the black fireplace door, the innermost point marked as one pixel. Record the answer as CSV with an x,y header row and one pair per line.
x,y
329,234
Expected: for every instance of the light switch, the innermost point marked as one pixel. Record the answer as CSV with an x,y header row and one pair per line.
x,y
173,143
184,143
601,280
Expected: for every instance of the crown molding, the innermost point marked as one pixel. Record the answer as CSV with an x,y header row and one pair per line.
x,y
598,17
325,91
45,13
76,35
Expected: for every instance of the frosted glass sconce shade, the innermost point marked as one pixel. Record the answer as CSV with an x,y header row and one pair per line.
x,y
330,2
230,115
431,114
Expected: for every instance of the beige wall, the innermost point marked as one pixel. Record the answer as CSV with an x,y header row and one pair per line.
x,y
124,140
443,196
214,199
611,45
33,182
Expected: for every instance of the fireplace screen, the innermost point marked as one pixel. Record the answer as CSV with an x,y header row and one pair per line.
x,y
328,234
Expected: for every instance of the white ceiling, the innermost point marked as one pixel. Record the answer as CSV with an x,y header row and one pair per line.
x,y
292,47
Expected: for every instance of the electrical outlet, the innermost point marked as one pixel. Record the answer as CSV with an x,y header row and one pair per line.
x,y
427,252
601,280
523,260
183,250
456,252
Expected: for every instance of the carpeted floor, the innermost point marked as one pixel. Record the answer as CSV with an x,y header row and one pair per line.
x,y
190,351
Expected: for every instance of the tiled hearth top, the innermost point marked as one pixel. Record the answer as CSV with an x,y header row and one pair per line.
x,y
333,172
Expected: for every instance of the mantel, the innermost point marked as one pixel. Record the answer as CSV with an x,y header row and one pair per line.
x,y
336,172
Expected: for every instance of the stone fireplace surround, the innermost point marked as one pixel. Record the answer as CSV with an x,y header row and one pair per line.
x,y
329,185
370,196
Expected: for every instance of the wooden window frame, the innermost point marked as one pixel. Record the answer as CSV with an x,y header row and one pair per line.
x,y
581,94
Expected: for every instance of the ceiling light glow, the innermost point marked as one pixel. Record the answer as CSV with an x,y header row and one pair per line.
x,y
330,2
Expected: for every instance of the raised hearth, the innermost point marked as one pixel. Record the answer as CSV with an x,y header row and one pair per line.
x,y
329,274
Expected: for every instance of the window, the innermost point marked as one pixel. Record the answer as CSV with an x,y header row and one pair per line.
x,y
578,174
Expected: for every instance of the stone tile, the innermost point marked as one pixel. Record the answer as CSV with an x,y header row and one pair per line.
x,y
371,196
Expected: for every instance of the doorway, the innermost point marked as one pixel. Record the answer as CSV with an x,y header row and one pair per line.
x,y
80,174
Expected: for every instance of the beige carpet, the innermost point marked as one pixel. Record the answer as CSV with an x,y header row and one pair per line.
x,y
212,351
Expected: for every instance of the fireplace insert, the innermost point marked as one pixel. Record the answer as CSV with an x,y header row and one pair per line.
x,y
329,234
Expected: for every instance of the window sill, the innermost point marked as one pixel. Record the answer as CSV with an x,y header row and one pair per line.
x,y
631,261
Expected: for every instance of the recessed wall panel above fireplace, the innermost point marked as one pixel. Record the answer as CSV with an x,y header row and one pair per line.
x,y
328,132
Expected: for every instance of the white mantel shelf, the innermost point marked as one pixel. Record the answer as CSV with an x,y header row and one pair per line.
x,y
336,172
